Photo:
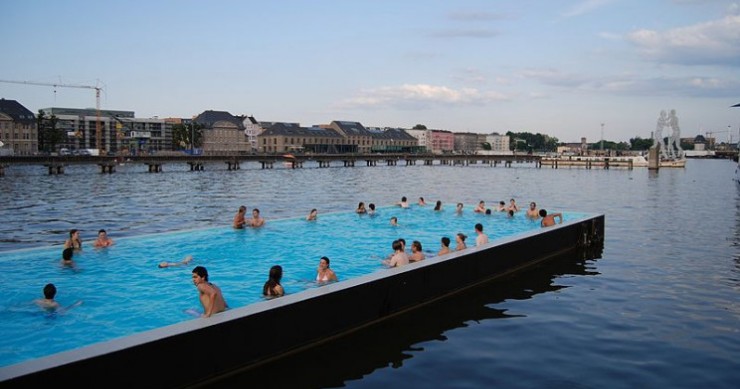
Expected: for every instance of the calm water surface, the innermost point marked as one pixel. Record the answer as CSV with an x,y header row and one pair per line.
x,y
659,307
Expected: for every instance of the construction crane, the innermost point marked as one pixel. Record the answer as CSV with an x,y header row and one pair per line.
x,y
98,124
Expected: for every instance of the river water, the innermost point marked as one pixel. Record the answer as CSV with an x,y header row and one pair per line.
x,y
658,306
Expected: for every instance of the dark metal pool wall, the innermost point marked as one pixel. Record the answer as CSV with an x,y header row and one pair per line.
x,y
199,350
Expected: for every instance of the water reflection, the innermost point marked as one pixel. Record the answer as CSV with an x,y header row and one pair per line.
x,y
396,340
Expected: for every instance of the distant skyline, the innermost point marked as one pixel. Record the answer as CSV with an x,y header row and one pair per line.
x,y
556,67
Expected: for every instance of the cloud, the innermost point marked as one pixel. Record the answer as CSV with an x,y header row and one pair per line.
x,y
419,96
634,85
711,43
585,7
555,78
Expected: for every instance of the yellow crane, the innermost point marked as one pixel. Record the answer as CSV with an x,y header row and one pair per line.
x,y
98,124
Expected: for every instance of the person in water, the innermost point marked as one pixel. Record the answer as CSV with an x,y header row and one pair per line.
x,y
324,274
103,239
185,261
272,287
210,295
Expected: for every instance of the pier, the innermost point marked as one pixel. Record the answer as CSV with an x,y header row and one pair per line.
x,y
57,165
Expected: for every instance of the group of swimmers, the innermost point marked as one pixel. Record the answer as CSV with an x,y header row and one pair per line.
x,y
240,220
211,297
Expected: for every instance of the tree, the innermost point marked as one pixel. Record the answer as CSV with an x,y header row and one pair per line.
x,y
181,134
530,142
419,127
640,144
486,146
47,132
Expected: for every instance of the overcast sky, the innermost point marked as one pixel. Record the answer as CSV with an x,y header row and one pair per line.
x,y
556,67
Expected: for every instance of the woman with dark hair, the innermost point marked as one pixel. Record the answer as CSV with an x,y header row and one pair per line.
x,y
324,274
438,206
361,208
272,287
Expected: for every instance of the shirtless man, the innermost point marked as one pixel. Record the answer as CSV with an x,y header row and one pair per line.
x,y
549,220
239,220
210,294
533,212
404,203
48,301
513,206
256,220
399,257
416,253
103,239
501,206
481,207
445,246
482,238
460,241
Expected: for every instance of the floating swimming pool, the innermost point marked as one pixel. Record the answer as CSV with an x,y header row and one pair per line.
x,y
124,292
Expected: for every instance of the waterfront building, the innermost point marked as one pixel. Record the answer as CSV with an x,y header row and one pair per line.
x,y
121,132
466,142
252,128
423,138
223,134
499,143
442,141
291,137
355,134
18,131
393,140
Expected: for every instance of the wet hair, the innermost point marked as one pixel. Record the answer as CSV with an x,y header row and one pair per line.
x,y
72,232
462,236
372,206
488,211
242,209
67,253
479,227
276,273
543,213
532,204
397,245
403,241
403,199
201,271
438,206
255,210
314,210
416,244
327,261
50,291
511,212
445,241
101,230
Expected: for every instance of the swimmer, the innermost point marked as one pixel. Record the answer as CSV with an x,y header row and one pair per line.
x,y
48,302
324,274
404,203
482,238
103,239
549,220
460,241
459,208
74,240
394,221
256,220
312,215
416,252
67,257
399,257
445,246
438,205
239,219
422,202
272,287
481,207
210,295
185,261
532,211
361,208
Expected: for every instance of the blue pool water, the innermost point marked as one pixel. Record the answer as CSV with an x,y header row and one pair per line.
x,y
124,292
